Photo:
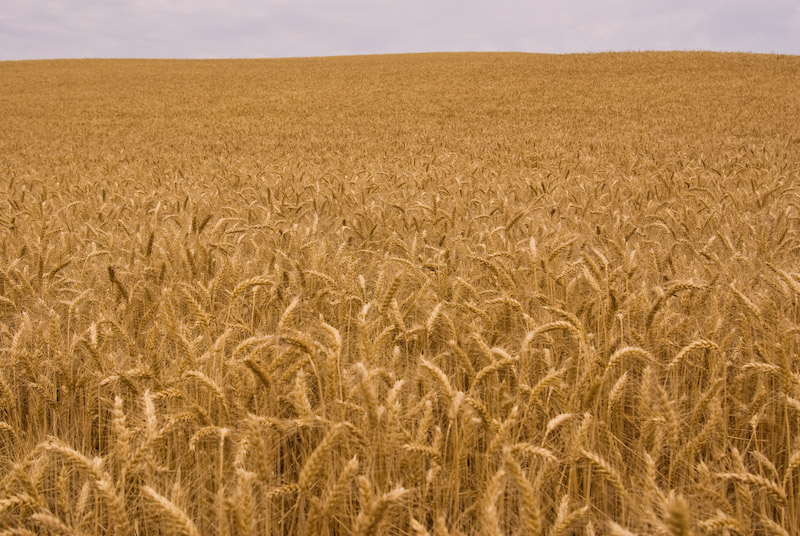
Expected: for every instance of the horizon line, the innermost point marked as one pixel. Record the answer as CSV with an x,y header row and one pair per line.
x,y
438,52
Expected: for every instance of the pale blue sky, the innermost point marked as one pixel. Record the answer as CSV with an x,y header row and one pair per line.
x,y
31,29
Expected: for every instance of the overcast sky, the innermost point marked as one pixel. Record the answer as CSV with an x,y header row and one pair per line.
x,y
31,29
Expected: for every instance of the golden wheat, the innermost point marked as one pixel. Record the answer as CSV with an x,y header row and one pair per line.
x,y
445,294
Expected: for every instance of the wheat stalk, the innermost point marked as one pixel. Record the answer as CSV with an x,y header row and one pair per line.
x,y
180,522
318,458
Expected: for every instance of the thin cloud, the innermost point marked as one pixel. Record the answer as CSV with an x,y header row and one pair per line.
x,y
277,28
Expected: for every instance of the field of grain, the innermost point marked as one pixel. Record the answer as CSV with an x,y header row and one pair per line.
x,y
440,294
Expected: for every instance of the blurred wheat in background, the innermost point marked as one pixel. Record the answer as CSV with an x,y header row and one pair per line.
x,y
425,294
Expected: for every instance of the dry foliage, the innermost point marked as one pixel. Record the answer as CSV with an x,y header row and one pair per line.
x,y
424,294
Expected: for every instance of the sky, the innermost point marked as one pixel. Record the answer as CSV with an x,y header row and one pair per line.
x,y
44,29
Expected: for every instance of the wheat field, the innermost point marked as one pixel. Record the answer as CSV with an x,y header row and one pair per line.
x,y
438,294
